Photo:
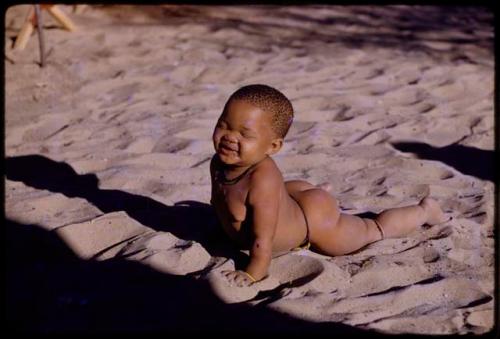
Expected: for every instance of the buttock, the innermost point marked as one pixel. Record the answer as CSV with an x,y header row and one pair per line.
x,y
320,210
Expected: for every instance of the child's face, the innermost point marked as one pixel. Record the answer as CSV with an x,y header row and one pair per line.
x,y
243,134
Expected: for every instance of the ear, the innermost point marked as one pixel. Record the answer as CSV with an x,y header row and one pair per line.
x,y
276,145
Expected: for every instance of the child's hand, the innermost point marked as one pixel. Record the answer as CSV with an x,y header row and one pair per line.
x,y
239,277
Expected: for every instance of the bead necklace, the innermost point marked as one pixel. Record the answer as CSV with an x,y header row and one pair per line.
x,y
223,179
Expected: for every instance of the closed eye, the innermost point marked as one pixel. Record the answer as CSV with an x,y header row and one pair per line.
x,y
248,132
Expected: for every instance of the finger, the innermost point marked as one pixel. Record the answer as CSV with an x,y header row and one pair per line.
x,y
227,274
240,282
244,281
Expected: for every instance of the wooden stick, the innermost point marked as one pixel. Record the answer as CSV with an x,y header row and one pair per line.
x,y
26,31
62,18
39,26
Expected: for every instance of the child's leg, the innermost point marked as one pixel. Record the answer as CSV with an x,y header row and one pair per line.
x,y
348,235
352,232
398,222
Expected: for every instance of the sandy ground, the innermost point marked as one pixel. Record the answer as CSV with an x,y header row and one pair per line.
x,y
107,183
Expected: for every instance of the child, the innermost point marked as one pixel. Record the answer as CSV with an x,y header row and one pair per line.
x,y
266,215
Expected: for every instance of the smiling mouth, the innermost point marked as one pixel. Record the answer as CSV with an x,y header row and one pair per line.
x,y
226,150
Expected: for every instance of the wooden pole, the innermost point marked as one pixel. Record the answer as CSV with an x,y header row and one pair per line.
x,y
26,31
33,18
61,17
39,26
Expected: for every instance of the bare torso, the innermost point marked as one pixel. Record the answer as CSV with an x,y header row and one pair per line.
x,y
231,205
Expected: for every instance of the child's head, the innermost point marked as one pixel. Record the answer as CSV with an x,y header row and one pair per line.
x,y
271,101
253,124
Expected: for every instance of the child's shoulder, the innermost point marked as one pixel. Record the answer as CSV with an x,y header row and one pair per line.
x,y
265,182
266,171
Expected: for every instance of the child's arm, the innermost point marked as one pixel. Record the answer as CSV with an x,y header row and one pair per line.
x,y
263,198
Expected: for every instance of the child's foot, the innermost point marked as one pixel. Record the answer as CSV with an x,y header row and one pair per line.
x,y
435,214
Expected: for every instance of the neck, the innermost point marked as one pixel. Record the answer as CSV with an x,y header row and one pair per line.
x,y
234,169
231,174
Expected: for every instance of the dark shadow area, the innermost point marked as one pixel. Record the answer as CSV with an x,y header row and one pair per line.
x,y
367,215
50,290
467,160
407,28
187,220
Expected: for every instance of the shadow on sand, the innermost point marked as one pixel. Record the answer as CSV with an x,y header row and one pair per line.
x,y
49,289
407,28
188,220
467,160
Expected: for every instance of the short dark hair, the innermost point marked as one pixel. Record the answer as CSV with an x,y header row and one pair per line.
x,y
269,100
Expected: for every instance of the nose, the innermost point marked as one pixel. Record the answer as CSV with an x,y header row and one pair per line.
x,y
230,137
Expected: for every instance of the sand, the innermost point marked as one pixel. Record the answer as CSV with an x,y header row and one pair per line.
x,y
108,145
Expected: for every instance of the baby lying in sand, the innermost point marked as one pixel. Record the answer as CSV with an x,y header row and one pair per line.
x,y
266,215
